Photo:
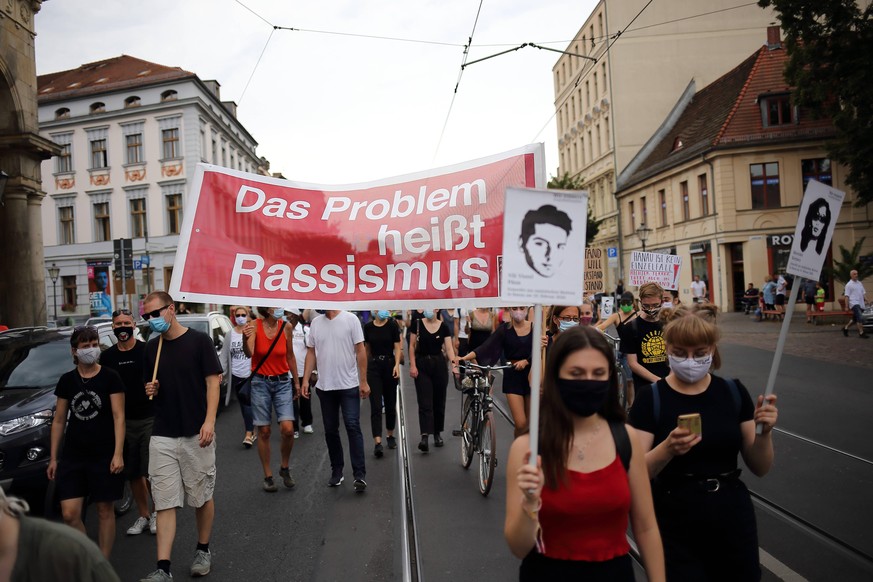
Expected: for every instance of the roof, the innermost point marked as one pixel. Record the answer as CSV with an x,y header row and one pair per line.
x,y
104,76
726,113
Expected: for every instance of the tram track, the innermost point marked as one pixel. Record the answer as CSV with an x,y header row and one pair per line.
x,y
410,552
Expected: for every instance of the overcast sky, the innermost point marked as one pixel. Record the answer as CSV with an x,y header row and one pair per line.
x,y
338,109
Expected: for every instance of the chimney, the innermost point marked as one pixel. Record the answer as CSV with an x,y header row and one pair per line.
x,y
774,38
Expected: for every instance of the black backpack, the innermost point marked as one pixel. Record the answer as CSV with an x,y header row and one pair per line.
x,y
622,442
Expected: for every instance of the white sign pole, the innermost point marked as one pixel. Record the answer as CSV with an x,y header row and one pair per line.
x,y
536,365
780,344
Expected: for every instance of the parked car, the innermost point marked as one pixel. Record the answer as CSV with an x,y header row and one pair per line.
x,y
217,326
867,318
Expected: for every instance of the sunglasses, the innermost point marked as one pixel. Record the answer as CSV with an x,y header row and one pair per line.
x,y
155,313
569,318
118,312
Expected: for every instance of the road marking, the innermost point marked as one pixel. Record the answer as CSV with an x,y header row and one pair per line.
x,y
782,571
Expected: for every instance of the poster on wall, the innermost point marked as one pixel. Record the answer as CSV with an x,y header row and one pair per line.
x,y
657,268
99,291
432,237
542,230
816,222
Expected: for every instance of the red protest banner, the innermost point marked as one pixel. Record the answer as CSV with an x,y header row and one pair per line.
x,y
430,237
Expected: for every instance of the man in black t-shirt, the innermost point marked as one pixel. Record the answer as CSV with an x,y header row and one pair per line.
x,y
127,357
182,446
641,340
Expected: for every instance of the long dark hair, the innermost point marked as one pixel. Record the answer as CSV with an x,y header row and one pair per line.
x,y
556,421
811,213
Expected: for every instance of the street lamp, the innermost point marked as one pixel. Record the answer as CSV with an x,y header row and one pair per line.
x,y
54,271
643,232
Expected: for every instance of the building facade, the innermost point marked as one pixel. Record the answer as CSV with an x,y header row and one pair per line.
x,y
612,92
130,134
721,182
22,150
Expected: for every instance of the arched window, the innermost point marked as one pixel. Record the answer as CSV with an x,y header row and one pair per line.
x,y
169,95
98,107
132,101
62,113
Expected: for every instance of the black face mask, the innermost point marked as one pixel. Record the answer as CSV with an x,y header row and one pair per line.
x,y
123,333
583,397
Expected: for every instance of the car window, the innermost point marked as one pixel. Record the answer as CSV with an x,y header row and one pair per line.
x,y
198,324
23,364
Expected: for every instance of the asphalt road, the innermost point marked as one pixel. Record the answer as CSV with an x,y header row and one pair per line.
x,y
318,533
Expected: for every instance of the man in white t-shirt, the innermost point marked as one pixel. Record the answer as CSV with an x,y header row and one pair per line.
x,y
336,343
698,290
857,298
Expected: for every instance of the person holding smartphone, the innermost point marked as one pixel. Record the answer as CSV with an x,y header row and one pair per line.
x,y
704,510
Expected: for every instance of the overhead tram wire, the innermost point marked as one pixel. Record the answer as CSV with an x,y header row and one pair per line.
x,y
266,44
458,82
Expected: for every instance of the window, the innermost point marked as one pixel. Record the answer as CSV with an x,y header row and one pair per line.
x,y
224,153
603,75
67,225
65,159
170,139
97,107
596,90
101,222
598,142
134,148
98,154
662,201
765,185
174,213
587,95
573,106
138,217
633,216
591,32
606,129
683,192
776,110
62,113
818,169
169,95
600,23
590,146
68,284
214,151
704,195
644,210
132,101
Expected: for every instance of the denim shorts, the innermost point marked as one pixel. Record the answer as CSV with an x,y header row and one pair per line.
x,y
269,394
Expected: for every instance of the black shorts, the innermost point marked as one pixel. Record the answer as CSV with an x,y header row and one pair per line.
x,y
88,478
780,299
810,300
138,431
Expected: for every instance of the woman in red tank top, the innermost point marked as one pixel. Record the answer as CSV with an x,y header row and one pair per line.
x,y
567,518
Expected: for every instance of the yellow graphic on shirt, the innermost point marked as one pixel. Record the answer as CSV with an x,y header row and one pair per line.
x,y
653,348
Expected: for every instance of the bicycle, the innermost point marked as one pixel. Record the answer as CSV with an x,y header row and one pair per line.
x,y
625,378
477,422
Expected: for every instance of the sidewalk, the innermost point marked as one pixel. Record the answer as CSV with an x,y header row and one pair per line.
x,y
824,342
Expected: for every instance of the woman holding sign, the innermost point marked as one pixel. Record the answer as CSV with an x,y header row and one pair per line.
x,y
693,425
567,517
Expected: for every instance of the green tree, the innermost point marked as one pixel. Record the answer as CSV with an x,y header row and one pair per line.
x,y
849,261
567,182
830,49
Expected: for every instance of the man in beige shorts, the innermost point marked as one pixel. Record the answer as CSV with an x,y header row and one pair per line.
x,y
182,446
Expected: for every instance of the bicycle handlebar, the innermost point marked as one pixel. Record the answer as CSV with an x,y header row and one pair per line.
x,y
467,364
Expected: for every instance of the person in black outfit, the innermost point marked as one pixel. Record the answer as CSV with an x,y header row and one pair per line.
x,y
427,366
384,348
92,459
642,343
704,510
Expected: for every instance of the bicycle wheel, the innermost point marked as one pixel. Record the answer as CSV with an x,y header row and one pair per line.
x,y
487,453
467,422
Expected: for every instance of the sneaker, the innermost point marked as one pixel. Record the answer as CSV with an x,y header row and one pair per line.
x,y
202,563
138,526
287,480
438,440
248,441
270,485
392,442
378,450
335,480
296,434
153,523
308,429
360,485
157,576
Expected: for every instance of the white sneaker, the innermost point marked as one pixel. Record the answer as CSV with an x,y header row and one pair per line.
x,y
138,526
308,429
296,434
153,523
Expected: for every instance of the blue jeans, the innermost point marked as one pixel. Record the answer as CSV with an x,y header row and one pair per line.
x,y
349,401
269,394
245,403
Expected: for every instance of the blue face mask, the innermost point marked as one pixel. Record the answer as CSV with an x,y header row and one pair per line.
x,y
565,325
278,313
383,314
159,324
428,313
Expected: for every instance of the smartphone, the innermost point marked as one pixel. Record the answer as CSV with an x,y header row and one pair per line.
x,y
691,422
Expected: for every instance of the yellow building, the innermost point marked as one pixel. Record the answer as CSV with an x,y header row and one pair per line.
x,y
629,61
721,181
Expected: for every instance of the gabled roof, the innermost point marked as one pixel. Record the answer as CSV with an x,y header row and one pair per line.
x,y
105,76
726,113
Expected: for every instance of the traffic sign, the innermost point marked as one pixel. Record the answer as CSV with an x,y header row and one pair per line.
x,y
612,252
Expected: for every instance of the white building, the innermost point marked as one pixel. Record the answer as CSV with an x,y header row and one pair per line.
x,y
132,133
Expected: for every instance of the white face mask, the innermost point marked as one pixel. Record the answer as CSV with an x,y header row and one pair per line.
x,y
690,370
667,305
88,356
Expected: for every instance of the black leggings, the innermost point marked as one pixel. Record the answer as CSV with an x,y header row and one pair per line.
x,y
382,385
430,389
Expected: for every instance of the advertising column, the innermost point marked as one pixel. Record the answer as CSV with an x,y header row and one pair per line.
x,y
99,291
